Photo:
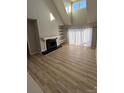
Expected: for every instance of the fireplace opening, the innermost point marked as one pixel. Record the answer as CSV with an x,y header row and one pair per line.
x,y
51,44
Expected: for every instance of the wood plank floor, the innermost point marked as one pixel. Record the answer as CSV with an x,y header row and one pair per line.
x,y
69,69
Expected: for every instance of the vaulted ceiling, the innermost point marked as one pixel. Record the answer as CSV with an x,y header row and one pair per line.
x,y
66,18
61,9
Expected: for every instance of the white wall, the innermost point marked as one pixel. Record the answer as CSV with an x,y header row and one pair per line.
x,y
69,13
91,11
52,8
84,16
79,17
38,9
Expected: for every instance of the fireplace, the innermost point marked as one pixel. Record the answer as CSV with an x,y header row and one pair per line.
x,y
51,44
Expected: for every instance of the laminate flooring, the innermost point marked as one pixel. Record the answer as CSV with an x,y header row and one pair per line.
x,y
69,69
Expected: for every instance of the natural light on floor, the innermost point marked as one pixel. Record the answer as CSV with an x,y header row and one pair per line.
x,y
80,37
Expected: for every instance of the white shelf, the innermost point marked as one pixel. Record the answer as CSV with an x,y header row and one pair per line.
x,y
62,41
61,34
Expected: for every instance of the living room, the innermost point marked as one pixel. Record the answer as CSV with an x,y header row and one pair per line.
x,y
61,46
62,32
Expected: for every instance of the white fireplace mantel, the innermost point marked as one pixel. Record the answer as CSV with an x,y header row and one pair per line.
x,y
43,39
51,37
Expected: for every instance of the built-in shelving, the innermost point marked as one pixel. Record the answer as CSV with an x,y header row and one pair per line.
x,y
62,29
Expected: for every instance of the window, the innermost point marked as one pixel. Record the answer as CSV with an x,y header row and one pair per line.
x,y
51,17
75,6
68,8
82,4
79,5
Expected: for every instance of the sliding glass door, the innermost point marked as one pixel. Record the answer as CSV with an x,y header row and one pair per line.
x,y
80,37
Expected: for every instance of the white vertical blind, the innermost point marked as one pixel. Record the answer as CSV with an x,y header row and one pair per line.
x,y
81,37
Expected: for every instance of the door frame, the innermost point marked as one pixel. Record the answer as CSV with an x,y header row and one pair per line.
x,y
37,31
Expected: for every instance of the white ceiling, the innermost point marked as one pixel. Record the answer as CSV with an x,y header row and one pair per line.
x,y
61,9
